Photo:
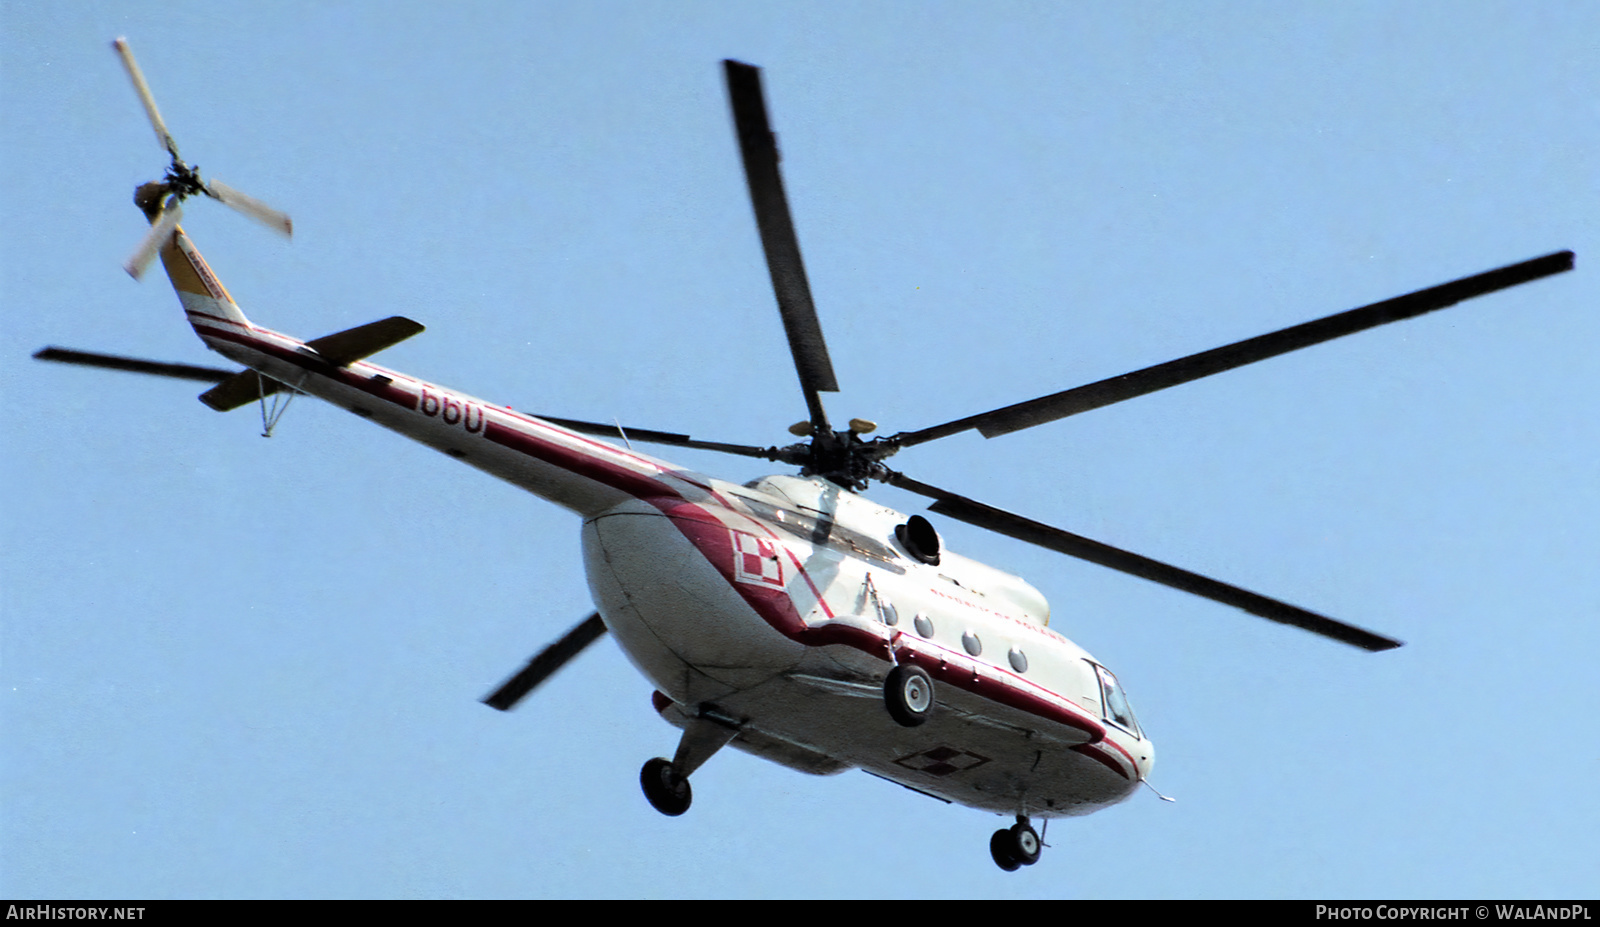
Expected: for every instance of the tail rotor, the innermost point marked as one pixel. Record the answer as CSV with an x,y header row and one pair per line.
x,y
182,180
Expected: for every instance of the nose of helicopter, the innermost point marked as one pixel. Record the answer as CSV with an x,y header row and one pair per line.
x,y
1144,757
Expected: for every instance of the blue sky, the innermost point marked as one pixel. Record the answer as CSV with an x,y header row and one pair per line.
x,y
236,667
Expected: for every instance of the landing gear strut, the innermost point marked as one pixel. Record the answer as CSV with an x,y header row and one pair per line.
x,y
666,782
1016,846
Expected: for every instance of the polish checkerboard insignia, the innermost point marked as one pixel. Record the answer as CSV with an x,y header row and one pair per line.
x,y
942,761
755,560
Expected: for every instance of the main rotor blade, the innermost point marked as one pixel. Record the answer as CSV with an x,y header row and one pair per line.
x,y
759,148
252,207
1150,379
657,437
145,97
153,240
546,663
134,365
1025,529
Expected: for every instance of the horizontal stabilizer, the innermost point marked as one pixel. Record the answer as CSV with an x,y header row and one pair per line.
x,y
339,349
344,348
241,389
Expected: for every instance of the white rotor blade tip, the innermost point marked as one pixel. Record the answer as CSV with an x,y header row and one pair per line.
x,y
252,207
159,232
145,97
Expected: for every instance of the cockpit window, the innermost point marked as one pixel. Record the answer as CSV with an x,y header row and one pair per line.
x,y
1117,709
818,528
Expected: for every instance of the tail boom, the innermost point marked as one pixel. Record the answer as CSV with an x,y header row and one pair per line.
x,y
580,473
575,471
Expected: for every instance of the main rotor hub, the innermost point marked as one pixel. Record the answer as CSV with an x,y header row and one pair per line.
x,y
841,457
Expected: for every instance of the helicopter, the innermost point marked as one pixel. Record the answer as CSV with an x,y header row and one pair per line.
x,y
789,617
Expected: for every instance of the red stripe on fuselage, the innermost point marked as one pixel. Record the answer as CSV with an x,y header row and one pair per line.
x,y
576,461
1097,753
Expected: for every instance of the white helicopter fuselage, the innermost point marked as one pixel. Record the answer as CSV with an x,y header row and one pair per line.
x,y
777,607
783,604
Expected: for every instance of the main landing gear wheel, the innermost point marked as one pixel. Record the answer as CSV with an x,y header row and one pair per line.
x,y
908,694
667,791
1016,846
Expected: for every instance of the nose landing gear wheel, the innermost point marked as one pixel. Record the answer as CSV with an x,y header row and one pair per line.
x,y
1016,846
1000,849
667,791
1025,843
908,694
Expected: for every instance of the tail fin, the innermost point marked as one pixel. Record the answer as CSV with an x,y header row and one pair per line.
x,y
203,296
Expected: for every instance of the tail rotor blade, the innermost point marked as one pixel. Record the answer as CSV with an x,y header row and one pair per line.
x,y
250,206
145,97
160,231
544,665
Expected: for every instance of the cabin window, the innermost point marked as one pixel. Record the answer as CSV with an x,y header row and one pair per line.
x,y
923,624
1115,702
887,613
1019,660
970,643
